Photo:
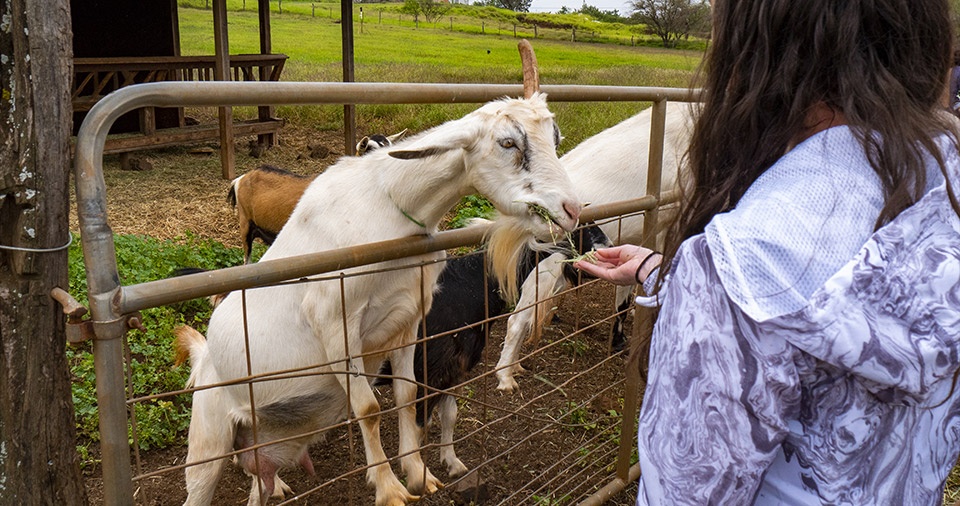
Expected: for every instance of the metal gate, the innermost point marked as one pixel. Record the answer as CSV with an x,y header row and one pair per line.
x,y
595,466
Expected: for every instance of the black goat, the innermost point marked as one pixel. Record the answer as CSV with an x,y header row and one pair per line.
x,y
463,300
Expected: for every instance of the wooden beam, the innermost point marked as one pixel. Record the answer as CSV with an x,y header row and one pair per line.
x,y
175,19
349,110
188,135
38,460
221,72
263,12
265,113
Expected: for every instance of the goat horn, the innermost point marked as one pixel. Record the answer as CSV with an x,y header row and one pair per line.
x,y
531,74
397,136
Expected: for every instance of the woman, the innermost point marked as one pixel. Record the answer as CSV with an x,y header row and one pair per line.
x,y
808,339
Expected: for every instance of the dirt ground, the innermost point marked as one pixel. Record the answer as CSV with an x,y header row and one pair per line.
x,y
552,443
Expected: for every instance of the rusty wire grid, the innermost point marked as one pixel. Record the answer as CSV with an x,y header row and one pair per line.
x,y
567,414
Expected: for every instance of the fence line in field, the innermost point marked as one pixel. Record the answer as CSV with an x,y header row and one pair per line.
x,y
441,20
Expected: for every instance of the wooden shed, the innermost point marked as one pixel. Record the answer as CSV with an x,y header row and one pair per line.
x,y
117,43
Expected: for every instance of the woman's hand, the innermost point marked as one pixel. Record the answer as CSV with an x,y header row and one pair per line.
x,y
622,265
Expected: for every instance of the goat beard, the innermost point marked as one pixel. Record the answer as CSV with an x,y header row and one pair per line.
x,y
507,241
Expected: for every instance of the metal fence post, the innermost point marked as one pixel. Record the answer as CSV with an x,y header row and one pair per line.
x,y
643,317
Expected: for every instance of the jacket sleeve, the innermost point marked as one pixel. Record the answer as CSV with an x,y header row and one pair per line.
x,y
716,407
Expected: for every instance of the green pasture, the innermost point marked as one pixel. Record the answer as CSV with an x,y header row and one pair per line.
x,y
487,20
387,52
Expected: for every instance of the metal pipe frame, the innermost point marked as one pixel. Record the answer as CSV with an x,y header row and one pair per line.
x,y
631,402
111,304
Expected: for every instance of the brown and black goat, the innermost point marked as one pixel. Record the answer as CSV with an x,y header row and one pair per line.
x,y
264,199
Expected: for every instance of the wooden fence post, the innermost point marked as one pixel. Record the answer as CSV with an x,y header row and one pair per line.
x,y
38,458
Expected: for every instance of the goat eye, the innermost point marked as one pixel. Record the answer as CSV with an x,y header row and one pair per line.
x,y
507,143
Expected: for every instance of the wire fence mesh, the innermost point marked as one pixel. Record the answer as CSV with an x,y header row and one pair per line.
x,y
555,441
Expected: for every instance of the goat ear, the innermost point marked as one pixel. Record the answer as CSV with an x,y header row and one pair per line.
x,y
436,143
416,154
362,145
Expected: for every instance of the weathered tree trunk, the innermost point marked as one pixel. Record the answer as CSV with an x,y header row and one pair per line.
x,y
38,462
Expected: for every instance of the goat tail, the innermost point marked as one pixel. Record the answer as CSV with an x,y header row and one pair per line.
x,y
505,246
232,192
189,344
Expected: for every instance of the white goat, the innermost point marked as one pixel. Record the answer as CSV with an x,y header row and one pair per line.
x,y
610,166
506,150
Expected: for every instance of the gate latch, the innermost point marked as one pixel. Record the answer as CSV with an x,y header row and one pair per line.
x,y
78,329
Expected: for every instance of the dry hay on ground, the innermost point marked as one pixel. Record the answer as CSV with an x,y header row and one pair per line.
x,y
184,191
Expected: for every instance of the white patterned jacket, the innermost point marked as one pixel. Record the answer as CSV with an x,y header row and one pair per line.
x,y
782,372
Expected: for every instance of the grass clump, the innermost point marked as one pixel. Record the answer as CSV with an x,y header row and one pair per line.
x,y
161,422
470,207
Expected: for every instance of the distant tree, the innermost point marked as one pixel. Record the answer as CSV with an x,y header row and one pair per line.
x,y
515,5
412,7
604,16
433,10
672,20
564,10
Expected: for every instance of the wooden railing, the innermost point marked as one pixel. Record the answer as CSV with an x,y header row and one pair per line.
x,y
96,77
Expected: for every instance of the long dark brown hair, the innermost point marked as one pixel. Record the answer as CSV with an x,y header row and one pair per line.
x,y
883,64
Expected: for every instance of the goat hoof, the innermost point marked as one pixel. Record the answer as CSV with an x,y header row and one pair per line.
x,y
456,469
508,385
618,346
281,489
427,486
401,500
390,492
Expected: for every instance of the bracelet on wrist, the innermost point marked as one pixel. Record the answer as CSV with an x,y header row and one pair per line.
x,y
636,275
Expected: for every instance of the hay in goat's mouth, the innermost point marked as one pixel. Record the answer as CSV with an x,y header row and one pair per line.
x,y
547,216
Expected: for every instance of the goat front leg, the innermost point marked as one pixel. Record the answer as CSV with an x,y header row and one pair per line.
x,y
523,322
419,479
389,490
448,423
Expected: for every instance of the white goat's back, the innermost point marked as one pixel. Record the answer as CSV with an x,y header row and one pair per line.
x,y
612,165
